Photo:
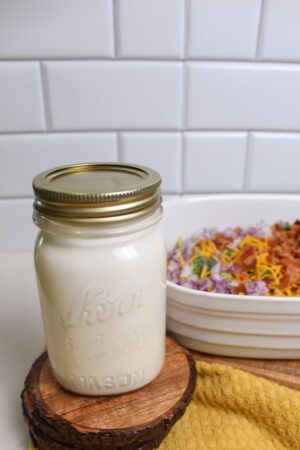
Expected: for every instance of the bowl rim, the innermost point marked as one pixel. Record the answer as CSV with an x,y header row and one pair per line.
x,y
237,196
234,297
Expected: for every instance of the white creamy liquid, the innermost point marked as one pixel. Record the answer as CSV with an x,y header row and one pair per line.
x,y
103,305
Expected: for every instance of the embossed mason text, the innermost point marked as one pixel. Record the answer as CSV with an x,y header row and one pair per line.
x,y
94,384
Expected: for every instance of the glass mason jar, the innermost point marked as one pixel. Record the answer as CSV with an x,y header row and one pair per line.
x,y
101,272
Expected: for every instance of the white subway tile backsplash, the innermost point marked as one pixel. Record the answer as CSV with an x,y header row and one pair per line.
x,y
214,162
150,28
114,95
169,198
161,151
223,29
23,156
281,31
243,96
274,162
17,231
21,101
56,29
207,92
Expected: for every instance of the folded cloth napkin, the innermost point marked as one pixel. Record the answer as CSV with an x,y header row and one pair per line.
x,y
233,410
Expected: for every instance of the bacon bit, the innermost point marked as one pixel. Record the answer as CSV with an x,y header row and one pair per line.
x,y
222,241
237,230
292,267
247,259
290,263
273,242
285,281
240,289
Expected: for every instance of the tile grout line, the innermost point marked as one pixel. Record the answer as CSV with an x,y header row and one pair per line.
x,y
183,98
91,131
182,163
119,150
186,21
16,197
149,130
115,12
259,30
46,98
158,59
27,198
240,192
184,87
184,95
247,162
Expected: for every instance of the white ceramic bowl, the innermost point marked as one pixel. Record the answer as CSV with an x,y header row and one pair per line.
x,y
224,324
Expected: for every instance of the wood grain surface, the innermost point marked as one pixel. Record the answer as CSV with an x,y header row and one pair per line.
x,y
58,419
136,420
284,372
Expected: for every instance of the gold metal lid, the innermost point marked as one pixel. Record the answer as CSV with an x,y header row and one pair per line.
x,y
101,192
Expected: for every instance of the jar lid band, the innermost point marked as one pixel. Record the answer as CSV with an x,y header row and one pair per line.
x,y
97,192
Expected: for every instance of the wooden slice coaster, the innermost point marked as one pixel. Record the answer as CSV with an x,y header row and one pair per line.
x,y
59,419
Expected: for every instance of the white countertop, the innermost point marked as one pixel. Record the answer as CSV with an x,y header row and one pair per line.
x,y
21,341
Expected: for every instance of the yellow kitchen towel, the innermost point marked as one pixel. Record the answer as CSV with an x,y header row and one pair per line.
x,y
233,410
